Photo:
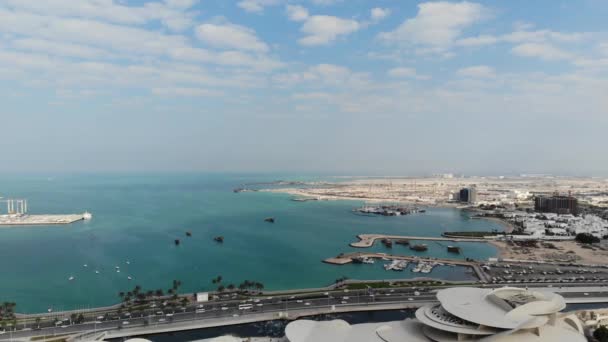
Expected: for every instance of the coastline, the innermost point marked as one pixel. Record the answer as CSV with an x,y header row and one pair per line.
x,y
508,226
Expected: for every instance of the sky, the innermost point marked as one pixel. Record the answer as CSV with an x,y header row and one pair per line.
x,y
383,87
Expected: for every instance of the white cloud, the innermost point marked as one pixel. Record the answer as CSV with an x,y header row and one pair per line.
x,y
230,36
541,50
378,13
521,36
59,48
437,24
186,92
325,2
477,41
173,14
403,72
297,13
478,71
256,6
324,29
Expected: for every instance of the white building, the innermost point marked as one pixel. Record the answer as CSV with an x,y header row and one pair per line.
x,y
463,314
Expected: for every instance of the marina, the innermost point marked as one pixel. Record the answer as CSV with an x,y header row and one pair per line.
x,y
400,262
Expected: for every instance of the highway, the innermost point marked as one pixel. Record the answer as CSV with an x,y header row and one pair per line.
x,y
232,310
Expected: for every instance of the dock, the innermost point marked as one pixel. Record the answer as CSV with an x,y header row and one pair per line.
x,y
41,220
347,258
367,240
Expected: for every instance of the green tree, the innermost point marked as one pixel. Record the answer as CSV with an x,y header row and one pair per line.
x,y
587,238
601,334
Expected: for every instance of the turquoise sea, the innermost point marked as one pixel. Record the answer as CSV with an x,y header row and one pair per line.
x,y
137,217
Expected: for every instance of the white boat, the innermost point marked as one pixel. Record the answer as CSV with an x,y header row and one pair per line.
x,y
368,261
87,215
96,272
418,268
129,277
71,278
117,271
128,262
85,265
117,267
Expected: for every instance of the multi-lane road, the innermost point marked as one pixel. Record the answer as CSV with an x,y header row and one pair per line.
x,y
232,310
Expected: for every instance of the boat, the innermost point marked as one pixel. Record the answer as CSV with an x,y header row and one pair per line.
x,y
403,242
189,234
177,242
117,271
71,278
87,216
387,243
269,219
419,247
219,239
368,261
396,265
85,265
96,272
427,268
454,249
117,267
128,262
418,268
129,277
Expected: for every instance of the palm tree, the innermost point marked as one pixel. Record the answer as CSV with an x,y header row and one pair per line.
x,y
159,293
121,295
221,288
230,287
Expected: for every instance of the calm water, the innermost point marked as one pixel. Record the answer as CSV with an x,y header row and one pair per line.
x,y
137,218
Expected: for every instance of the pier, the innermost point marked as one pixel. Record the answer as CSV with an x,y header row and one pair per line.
x,y
344,259
41,220
367,240
16,215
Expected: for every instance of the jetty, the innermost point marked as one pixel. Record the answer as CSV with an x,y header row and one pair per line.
x,y
41,220
347,258
16,215
367,240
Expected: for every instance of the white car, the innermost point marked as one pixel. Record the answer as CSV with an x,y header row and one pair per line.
x,y
344,302
224,308
410,298
169,315
162,320
307,303
299,301
99,318
125,323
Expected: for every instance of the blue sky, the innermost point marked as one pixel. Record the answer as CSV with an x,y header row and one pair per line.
x,y
332,86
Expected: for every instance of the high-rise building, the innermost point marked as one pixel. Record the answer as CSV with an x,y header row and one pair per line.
x,y
556,204
468,195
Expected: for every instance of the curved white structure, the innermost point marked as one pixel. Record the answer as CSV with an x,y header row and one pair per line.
x,y
463,314
505,314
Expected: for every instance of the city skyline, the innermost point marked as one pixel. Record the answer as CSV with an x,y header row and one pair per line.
x,y
340,87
